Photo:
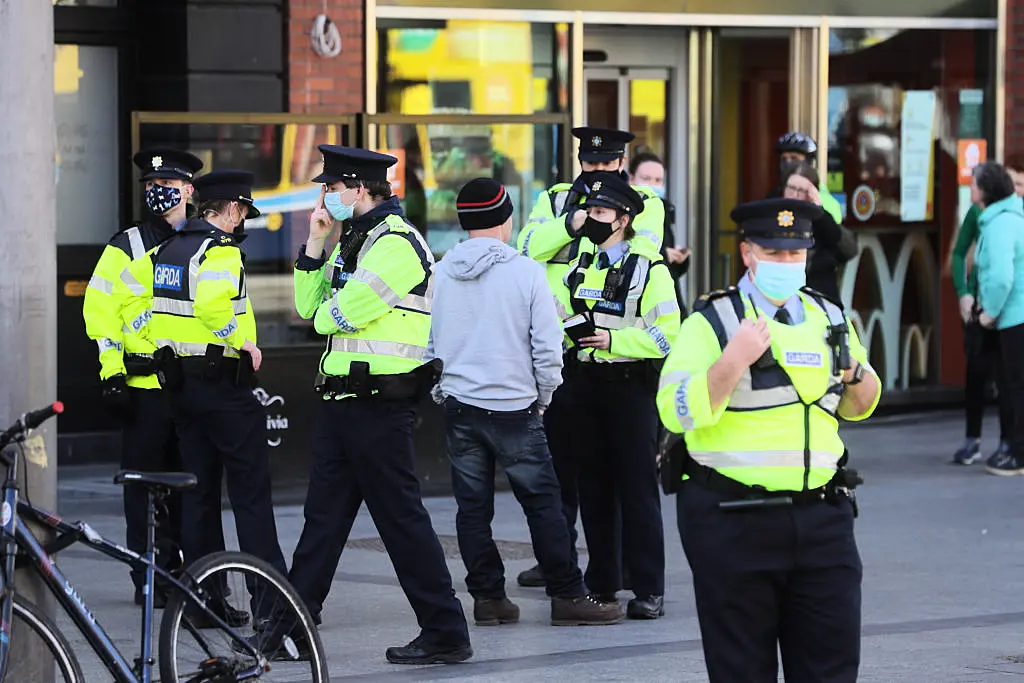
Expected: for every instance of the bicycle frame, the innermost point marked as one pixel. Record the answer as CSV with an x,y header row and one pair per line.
x,y
17,534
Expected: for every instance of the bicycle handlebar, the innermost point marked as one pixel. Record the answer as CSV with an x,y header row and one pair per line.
x,y
30,421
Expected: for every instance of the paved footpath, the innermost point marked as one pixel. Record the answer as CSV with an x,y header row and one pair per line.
x,y
943,551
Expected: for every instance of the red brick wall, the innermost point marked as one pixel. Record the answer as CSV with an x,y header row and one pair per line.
x,y
1015,77
326,86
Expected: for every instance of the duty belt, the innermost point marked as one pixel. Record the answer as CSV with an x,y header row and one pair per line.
x,y
361,384
742,496
139,364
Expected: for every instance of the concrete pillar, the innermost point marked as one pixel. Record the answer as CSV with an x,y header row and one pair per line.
x,y
28,254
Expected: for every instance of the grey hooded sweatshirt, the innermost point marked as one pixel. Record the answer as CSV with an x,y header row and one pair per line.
x,y
494,324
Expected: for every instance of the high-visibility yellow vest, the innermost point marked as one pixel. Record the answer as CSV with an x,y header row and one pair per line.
x,y
190,293
376,307
779,428
101,309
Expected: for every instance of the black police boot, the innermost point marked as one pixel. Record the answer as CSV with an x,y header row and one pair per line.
x,y
532,578
421,652
646,607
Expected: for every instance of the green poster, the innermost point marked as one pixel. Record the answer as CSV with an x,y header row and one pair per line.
x,y
971,112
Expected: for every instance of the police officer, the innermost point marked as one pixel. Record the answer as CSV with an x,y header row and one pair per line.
x,y
130,386
757,379
620,313
372,300
205,331
553,236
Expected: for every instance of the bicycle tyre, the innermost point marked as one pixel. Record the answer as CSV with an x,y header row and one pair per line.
x,y
205,567
43,626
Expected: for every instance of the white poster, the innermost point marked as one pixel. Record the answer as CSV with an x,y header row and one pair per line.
x,y
917,134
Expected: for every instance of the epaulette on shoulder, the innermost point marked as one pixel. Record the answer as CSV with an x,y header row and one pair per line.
x,y
222,239
816,294
704,300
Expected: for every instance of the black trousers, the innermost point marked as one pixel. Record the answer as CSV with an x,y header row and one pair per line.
x,y
616,437
559,430
363,451
1011,341
149,444
984,366
769,579
223,429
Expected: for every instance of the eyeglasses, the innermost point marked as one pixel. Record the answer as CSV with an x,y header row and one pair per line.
x,y
797,190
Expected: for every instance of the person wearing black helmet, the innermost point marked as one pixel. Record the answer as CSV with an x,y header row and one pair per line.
x,y
792,148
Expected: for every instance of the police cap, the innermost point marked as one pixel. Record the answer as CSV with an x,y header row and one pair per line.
x,y
611,191
777,223
231,185
602,144
352,163
169,164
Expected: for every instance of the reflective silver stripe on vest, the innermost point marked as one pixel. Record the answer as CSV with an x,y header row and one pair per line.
x,y
135,242
719,460
377,348
682,398
105,345
219,275
558,202
193,349
630,303
563,257
563,314
654,237
133,285
193,267
414,302
101,285
376,283
187,308
664,308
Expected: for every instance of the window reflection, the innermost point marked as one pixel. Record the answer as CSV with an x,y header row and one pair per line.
x,y
283,157
479,67
440,158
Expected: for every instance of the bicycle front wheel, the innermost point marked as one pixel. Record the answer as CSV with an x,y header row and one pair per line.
x,y
38,650
260,605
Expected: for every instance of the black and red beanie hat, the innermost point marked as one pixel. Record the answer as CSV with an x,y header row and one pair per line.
x,y
482,203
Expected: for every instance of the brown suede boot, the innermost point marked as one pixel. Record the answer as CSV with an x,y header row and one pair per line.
x,y
585,610
492,612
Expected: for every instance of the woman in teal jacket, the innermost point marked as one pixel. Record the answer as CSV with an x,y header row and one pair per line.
x,y
1000,263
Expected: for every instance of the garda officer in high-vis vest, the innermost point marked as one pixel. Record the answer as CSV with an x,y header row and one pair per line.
x,y
371,300
758,378
205,332
620,315
553,236
130,386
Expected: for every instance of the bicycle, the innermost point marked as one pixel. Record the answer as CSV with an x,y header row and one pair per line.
x,y
197,605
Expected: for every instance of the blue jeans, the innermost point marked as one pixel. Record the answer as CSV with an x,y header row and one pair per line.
x,y
476,440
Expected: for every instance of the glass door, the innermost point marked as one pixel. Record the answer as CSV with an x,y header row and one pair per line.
x,y
633,99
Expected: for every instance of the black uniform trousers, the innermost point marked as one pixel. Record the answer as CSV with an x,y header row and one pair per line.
x,y
363,451
149,444
558,428
223,428
615,437
769,579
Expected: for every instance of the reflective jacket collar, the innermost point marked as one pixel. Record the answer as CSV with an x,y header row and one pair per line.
x,y
371,219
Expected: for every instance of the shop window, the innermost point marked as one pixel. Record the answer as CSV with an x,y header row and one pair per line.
x,y
437,159
86,138
901,104
473,67
284,157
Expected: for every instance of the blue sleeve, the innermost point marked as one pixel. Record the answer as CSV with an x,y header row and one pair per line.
x,y
995,276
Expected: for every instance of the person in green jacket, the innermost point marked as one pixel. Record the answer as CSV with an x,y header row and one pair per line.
x,y
981,346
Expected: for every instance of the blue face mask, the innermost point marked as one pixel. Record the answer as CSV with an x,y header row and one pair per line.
x,y
660,191
779,281
334,206
160,199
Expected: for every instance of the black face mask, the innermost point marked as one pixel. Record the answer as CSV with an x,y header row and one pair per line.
x,y
596,231
787,167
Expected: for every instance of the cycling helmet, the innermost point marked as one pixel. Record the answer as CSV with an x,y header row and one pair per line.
x,y
795,141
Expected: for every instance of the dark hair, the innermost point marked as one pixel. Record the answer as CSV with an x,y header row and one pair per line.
x,y
643,158
214,206
378,189
804,169
1015,162
993,181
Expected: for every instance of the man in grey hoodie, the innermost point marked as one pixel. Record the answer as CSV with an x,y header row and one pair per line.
x,y
494,324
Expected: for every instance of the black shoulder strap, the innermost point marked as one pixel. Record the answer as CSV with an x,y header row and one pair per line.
x,y
575,280
704,306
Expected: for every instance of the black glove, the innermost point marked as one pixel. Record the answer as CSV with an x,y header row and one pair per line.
x,y
116,396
